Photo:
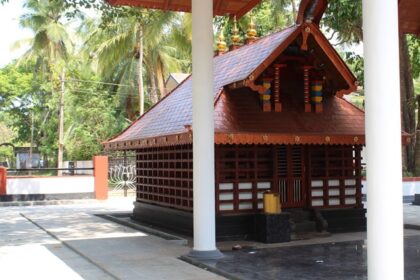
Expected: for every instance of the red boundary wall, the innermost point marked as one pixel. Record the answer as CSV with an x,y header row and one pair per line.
x,y
3,178
100,164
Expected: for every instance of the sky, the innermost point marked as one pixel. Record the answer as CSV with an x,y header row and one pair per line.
x,y
11,31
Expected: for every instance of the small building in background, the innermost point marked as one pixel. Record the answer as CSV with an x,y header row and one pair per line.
x,y
23,156
174,80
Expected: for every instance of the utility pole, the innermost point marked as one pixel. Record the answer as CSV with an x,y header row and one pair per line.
x,y
61,124
32,140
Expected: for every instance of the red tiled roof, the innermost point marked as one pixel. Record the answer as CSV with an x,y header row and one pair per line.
x,y
239,115
171,114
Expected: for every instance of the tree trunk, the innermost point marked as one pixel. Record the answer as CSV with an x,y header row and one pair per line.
x,y
154,97
160,79
408,103
61,124
417,143
140,74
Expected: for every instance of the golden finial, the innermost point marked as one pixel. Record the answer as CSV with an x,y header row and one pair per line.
x,y
236,39
221,44
251,32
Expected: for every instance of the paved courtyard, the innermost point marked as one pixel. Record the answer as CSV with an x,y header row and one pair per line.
x,y
71,242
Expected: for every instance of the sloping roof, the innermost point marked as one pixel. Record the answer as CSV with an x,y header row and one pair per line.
x,y
221,7
231,67
238,120
169,121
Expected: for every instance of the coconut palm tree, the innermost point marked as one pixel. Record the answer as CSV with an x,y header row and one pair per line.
x,y
49,47
129,49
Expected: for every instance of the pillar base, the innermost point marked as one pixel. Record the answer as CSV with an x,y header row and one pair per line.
x,y
277,107
205,255
308,108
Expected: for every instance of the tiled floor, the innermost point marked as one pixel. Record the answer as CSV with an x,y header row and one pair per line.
x,y
343,260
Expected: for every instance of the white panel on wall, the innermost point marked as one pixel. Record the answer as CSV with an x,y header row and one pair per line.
x,y
333,183
333,192
317,192
264,185
317,202
350,191
245,186
226,196
260,205
245,195
245,205
334,201
350,201
226,186
260,195
317,183
350,182
225,207
50,185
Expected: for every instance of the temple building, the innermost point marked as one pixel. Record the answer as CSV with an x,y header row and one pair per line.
x,y
281,125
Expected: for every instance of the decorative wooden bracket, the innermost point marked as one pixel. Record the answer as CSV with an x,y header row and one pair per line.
x,y
260,89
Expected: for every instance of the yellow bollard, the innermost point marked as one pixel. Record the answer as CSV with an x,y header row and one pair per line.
x,y
272,203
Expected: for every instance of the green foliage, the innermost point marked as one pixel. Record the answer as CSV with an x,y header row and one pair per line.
x,y
414,53
356,63
344,18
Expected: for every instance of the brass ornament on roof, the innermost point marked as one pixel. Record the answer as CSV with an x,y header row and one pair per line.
x,y
235,38
221,44
251,33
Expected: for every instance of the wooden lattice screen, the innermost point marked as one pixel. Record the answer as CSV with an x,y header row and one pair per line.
x,y
305,176
243,174
164,176
335,176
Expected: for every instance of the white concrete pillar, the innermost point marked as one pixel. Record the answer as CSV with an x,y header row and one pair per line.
x,y
383,141
203,131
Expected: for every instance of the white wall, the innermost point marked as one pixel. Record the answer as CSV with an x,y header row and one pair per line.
x,y
409,188
50,185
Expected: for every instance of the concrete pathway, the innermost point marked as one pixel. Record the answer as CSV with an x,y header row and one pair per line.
x,y
412,216
70,242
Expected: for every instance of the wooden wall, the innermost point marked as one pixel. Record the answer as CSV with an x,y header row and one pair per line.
x,y
305,176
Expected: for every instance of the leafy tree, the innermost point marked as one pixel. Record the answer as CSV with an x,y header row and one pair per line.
x,y
50,48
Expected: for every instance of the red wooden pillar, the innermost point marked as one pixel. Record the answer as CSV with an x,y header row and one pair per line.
x,y
100,164
306,88
3,178
276,91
